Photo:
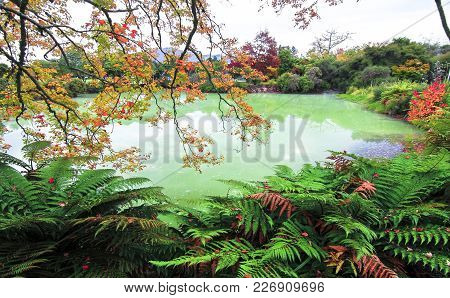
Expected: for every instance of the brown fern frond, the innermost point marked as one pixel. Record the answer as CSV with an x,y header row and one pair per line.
x,y
371,266
321,227
340,162
274,201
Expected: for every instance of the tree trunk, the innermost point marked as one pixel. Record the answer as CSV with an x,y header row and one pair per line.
x,y
443,19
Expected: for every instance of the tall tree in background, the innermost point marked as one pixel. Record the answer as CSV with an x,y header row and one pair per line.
x,y
288,59
263,53
329,41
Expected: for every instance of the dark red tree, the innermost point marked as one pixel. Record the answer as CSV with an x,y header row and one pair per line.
x,y
263,52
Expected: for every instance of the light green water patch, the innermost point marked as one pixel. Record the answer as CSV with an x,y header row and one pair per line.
x,y
305,127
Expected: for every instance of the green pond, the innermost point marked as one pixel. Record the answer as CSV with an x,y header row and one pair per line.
x,y
304,129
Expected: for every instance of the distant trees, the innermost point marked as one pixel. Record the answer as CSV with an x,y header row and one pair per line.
x,y
397,52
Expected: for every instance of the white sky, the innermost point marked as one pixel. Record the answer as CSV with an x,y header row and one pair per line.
x,y
369,20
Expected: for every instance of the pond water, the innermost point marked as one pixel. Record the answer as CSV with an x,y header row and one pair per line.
x,y
304,128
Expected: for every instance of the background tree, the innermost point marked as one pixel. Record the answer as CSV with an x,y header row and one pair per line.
x,y
329,40
263,53
288,59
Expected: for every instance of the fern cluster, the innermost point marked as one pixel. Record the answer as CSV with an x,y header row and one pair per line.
x,y
60,221
347,217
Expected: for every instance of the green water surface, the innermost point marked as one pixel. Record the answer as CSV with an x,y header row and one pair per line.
x,y
304,128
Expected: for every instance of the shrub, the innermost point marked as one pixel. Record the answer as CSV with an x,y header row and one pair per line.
x,y
293,83
3,84
314,74
305,84
288,82
243,85
390,97
413,70
75,87
397,52
210,88
338,75
430,102
270,83
443,58
287,59
372,75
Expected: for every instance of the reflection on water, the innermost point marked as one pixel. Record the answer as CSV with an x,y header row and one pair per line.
x,y
305,127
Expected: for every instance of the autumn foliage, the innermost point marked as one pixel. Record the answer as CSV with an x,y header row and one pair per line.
x,y
263,53
121,48
427,103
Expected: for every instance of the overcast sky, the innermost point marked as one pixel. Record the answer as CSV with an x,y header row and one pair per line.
x,y
369,20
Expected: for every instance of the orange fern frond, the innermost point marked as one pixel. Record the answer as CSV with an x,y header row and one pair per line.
x,y
274,201
366,189
371,266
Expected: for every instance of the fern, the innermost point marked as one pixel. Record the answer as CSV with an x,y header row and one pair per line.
x,y
435,260
7,159
57,212
371,266
274,201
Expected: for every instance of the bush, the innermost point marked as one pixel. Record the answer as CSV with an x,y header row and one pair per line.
x,y
210,88
443,58
3,84
270,83
413,70
75,87
372,75
337,75
397,52
288,82
314,74
293,83
305,84
391,98
242,85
